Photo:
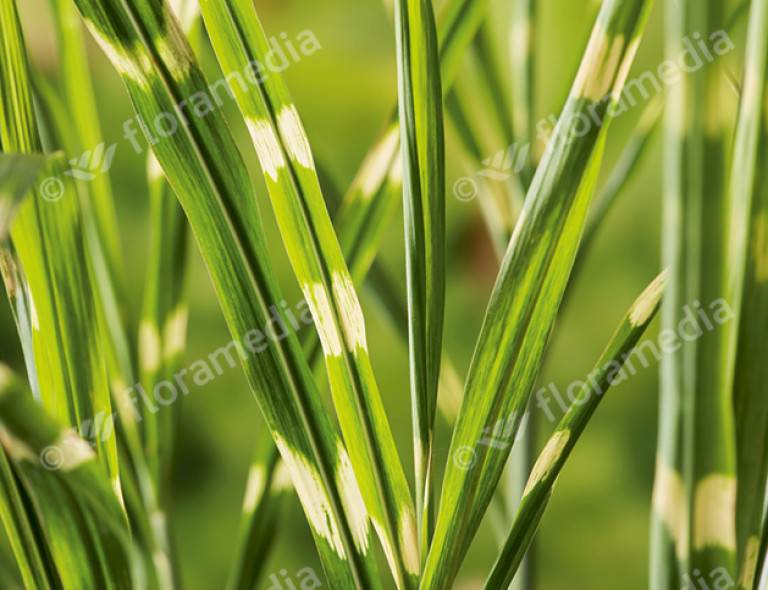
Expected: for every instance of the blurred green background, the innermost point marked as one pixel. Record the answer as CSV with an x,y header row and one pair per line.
x,y
595,532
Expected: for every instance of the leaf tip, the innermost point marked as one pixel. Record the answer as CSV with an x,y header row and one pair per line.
x,y
645,306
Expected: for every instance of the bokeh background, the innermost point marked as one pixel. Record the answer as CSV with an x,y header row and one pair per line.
x,y
595,533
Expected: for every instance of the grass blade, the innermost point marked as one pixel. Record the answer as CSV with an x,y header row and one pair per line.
x,y
48,238
163,326
518,317
141,496
162,332
209,178
319,265
695,488
423,153
50,241
22,530
372,200
83,522
522,46
81,108
749,191
552,459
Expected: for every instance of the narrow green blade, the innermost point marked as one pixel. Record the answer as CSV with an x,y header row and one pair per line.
x,y
531,284
695,489
423,154
93,158
23,531
49,243
372,199
319,266
749,290
209,178
83,523
558,448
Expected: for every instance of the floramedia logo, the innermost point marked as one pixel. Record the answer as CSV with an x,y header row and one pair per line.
x,y
284,52
697,321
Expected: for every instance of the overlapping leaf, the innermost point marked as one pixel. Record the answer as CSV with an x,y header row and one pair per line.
x,y
319,265
558,448
209,178
82,523
532,280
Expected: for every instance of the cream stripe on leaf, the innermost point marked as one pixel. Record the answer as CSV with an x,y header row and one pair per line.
x,y
318,263
529,289
558,448
207,173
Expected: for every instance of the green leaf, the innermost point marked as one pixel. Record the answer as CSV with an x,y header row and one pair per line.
x,y
18,131
318,263
529,289
458,22
693,517
49,239
558,448
80,101
163,327
208,176
141,496
22,529
748,283
372,199
423,154
522,57
49,245
82,522
164,310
